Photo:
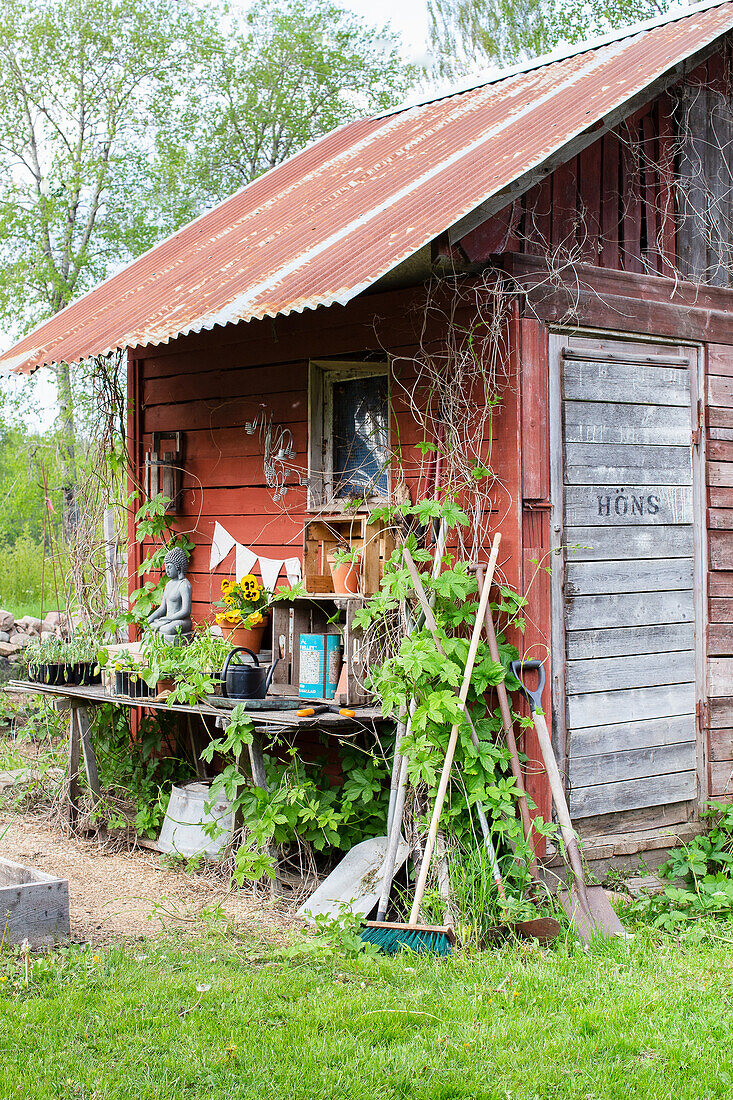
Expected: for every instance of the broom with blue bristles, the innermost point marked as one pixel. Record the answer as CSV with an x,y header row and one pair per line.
x,y
392,937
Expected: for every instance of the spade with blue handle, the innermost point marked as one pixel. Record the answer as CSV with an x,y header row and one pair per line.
x,y
589,909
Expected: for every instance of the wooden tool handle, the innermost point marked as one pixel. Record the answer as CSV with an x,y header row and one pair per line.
x,y
508,726
445,774
561,806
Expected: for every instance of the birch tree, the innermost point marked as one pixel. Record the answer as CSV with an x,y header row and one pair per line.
x,y
122,119
467,35
84,84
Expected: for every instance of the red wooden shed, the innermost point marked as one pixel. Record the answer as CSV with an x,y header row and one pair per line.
x,y
582,205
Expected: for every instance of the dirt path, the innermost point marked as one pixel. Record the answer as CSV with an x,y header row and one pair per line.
x,y
121,894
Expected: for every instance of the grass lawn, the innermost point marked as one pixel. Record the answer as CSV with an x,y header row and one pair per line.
x,y
212,1017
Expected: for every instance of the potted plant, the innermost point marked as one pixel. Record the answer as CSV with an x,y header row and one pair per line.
x,y
47,661
243,614
134,678
54,661
345,566
82,655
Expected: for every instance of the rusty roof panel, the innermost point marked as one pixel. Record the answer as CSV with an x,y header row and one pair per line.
x,y
332,220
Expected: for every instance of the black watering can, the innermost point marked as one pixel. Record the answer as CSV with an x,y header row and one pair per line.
x,y
245,681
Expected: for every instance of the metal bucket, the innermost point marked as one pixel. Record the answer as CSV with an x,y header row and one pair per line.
x,y
182,832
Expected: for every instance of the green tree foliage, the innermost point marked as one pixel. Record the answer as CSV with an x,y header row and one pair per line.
x,y
286,74
122,119
469,34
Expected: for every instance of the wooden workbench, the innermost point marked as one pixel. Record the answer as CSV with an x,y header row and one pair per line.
x,y
83,699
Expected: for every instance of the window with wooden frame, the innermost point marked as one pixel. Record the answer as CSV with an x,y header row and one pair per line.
x,y
348,432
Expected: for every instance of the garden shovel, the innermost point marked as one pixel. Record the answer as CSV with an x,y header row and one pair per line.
x,y
588,907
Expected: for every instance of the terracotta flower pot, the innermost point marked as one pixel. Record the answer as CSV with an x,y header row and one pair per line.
x,y
345,575
250,637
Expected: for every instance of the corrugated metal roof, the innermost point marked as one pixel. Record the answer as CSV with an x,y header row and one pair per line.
x,y
332,220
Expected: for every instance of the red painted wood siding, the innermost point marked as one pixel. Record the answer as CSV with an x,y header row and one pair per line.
x,y
612,206
719,446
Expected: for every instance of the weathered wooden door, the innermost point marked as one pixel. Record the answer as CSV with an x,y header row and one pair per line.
x,y
627,575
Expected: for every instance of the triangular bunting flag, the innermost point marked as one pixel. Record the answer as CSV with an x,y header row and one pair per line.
x,y
246,561
221,544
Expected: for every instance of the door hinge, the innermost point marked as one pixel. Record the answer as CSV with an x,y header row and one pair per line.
x,y
701,715
699,424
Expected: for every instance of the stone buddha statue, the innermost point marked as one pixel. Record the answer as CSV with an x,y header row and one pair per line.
x,y
173,618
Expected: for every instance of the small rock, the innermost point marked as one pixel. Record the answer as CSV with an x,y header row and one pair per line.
x,y
33,626
44,634
20,639
4,636
7,621
7,649
49,625
53,618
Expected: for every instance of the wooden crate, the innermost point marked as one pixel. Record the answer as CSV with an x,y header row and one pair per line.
x,y
34,906
327,533
316,615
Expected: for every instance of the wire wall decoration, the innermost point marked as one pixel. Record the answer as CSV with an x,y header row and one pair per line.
x,y
277,451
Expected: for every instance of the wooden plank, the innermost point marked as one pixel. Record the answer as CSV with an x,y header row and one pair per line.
x,y
632,705
618,543
629,609
720,390
719,417
565,207
35,911
633,794
720,359
692,194
534,412
667,185
721,779
74,787
631,192
610,204
721,549
721,744
624,641
618,673
720,450
591,740
589,204
640,425
642,763
720,585
720,676
626,383
718,173
606,505
720,639
720,712
721,610
720,519
720,497
594,463
720,474
87,748
654,575
651,212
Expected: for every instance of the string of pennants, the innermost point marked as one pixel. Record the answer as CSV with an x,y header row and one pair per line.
x,y
245,560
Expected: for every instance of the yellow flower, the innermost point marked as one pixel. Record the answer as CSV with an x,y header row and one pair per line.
x,y
250,587
229,600
221,618
233,617
225,586
255,619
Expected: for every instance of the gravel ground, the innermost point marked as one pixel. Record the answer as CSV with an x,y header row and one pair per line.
x,y
116,894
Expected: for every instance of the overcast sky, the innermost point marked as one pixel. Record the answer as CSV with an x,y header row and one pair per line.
x,y
408,17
